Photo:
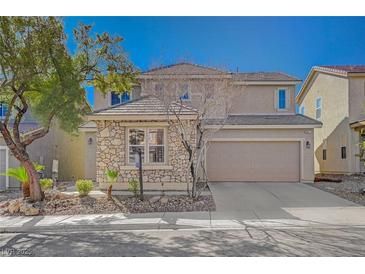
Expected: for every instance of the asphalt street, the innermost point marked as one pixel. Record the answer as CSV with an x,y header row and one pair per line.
x,y
345,241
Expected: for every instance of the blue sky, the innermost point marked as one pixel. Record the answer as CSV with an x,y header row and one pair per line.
x,y
288,44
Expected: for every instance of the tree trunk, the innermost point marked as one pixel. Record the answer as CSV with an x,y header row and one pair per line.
x,y
25,189
34,186
110,192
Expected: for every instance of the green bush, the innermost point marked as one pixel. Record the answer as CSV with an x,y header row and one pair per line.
x,y
133,186
46,184
84,187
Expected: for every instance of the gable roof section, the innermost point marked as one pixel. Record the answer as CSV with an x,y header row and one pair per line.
x,y
189,69
263,76
339,70
147,107
184,69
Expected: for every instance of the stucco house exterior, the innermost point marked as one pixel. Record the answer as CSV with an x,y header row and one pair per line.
x,y
67,150
335,95
260,139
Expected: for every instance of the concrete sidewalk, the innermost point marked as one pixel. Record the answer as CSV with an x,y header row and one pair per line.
x,y
300,217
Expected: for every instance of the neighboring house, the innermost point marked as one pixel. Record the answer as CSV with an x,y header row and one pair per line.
x,y
261,140
56,145
335,95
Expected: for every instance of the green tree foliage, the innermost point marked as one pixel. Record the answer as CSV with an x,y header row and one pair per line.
x,y
38,73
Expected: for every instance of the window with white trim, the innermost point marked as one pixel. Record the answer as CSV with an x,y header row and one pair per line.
x,y
184,92
318,108
3,110
282,100
151,140
118,98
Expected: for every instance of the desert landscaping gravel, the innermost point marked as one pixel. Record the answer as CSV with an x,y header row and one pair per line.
x,y
58,203
348,189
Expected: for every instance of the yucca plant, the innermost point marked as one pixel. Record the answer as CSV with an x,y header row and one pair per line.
x,y
21,175
112,176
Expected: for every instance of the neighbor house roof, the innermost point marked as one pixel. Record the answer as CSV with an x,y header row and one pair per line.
x,y
146,106
338,70
266,120
344,69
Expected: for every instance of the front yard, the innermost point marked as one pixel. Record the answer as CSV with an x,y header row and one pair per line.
x,y
68,202
349,187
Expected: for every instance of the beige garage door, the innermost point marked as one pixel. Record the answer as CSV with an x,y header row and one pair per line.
x,y
253,161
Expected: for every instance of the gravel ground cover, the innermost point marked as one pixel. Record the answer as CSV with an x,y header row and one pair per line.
x,y
57,203
175,203
349,188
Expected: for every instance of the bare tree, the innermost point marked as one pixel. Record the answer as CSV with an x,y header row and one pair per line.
x,y
210,100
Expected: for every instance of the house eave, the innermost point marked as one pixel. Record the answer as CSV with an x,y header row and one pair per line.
x,y
144,117
266,83
306,126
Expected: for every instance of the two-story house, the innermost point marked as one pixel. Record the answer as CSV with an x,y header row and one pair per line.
x,y
335,95
261,138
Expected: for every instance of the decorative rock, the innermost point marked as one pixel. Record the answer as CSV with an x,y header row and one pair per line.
x,y
31,211
155,199
14,207
4,204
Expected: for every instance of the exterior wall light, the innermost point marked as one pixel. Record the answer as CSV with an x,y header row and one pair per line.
x,y
90,140
308,144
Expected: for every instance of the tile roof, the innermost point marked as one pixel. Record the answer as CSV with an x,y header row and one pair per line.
x,y
184,69
194,69
344,68
146,105
295,119
263,76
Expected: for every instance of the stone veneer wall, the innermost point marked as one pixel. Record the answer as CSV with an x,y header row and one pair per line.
x,y
111,153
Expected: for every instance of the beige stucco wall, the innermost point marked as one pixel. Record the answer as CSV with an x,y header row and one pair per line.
x,y
307,163
335,131
259,99
228,97
111,154
90,155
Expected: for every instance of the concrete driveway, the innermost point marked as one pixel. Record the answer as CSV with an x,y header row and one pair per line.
x,y
280,201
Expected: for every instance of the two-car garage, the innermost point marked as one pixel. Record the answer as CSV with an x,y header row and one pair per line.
x,y
254,160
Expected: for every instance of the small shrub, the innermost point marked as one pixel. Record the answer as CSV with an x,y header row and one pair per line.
x,y
84,187
133,186
46,184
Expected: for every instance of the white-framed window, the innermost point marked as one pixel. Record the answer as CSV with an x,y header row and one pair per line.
x,y
150,140
184,92
318,106
118,98
302,110
3,110
282,99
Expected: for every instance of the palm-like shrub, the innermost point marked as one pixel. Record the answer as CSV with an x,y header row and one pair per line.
x,y
46,184
21,175
112,176
84,187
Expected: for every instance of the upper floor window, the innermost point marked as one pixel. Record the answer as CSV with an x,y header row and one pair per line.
x,y
118,98
184,92
3,110
319,108
282,99
343,152
302,110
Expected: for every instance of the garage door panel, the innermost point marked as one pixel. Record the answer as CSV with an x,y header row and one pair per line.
x,y
253,161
